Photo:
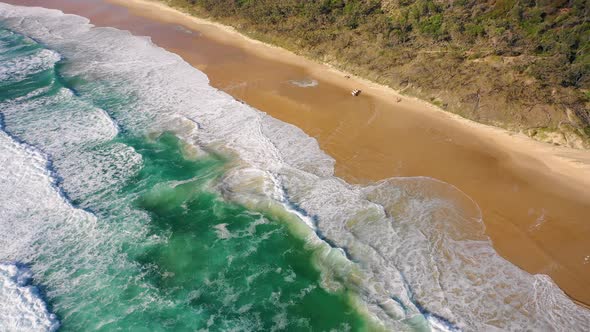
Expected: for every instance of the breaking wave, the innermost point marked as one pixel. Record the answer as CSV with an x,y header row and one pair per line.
x,y
21,306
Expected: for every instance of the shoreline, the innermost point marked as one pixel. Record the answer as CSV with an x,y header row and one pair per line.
x,y
537,169
563,158
573,158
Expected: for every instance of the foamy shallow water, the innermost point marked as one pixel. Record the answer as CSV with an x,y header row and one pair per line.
x,y
21,306
412,249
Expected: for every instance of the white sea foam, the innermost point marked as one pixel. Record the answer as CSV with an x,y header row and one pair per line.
x,y
418,243
185,30
39,61
305,83
21,306
26,189
38,224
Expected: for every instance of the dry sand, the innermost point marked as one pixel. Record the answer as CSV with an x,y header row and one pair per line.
x,y
535,198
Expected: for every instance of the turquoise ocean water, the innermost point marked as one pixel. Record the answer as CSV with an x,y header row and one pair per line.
x,y
173,255
134,196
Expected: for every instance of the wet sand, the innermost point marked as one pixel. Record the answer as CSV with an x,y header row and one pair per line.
x,y
535,198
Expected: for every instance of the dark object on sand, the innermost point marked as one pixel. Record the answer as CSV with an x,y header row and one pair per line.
x,y
355,92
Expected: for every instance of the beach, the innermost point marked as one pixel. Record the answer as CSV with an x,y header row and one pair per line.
x,y
533,196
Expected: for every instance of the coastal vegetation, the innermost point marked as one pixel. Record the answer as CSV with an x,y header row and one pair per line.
x,y
519,64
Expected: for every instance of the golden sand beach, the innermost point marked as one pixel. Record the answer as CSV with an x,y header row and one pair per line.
x,y
534,197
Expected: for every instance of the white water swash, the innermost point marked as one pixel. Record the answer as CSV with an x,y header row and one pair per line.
x,y
413,249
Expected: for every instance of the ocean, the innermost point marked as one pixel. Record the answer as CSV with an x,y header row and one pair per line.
x,y
135,196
